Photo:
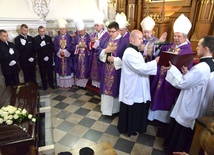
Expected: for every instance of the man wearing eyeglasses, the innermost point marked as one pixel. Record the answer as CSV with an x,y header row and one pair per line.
x,y
110,52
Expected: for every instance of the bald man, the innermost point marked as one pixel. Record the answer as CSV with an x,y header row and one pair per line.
x,y
134,87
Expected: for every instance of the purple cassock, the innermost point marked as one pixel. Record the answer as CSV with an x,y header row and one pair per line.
x,y
127,35
163,94
63,65
95,64
81,56
110,78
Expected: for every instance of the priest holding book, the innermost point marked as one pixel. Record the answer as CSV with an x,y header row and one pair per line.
x,y
190,103
163,94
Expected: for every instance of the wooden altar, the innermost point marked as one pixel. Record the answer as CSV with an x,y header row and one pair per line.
x,y
199,12
20,139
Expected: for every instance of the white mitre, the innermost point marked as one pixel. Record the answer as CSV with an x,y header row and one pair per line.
x,y
121,20
182,24
80,25
147,23
62,23
98,18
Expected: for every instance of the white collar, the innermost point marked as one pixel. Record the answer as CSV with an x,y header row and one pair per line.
x,y
184,43
118,37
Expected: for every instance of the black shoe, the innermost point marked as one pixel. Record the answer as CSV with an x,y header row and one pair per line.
x,y
52,86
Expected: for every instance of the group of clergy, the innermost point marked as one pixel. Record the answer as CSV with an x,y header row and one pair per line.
x,y
168,94
124,67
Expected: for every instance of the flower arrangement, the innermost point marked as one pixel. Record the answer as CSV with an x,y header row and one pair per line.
x,y
9,114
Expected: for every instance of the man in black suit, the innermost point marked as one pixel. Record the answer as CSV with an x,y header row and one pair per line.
x,y
8,59
24,44
44,48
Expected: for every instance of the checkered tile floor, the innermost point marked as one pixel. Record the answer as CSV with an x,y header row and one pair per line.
x,y
77,122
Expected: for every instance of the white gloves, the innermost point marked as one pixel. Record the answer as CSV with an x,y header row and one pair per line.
x,y
46,58
11,51
31,59
12,63
43,43
23,41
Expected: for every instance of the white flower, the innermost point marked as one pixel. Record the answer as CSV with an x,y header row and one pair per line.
x,y
4,114
9,122
5,118
1,111
1,120
33,120
10,117
10,113
18,111
24,111
30,116
15,116
3,108
11,109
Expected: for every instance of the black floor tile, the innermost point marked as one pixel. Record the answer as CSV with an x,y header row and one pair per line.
x,y
147,140
63,114
69,140
97,108
61,105
59,98
89,94
112,130
87,122
158,152
106,119
93,135
124,145
94,100
82,111
58,91
73,89
75,96
78,103
66,126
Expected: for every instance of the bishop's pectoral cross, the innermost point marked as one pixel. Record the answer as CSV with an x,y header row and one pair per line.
x,y
18,88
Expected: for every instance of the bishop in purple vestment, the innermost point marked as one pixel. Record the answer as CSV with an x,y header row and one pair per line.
x,y
63,54
81,55
121,19
95,65
163,94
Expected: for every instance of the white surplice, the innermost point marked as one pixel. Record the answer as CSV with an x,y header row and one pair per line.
x,y
193,86
134,83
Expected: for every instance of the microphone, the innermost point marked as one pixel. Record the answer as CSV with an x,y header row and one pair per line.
x,y
162,43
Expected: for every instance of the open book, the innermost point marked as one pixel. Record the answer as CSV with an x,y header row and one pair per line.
x,y
177,60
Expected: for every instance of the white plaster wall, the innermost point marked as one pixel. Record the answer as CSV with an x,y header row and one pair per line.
x,y
69,9
16,9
